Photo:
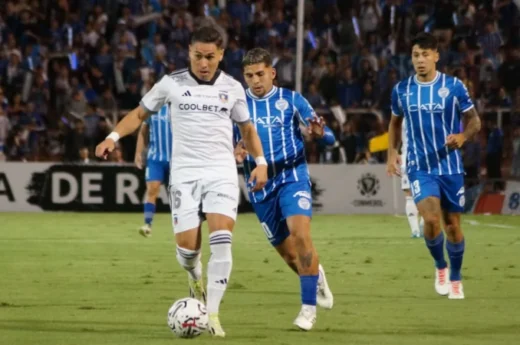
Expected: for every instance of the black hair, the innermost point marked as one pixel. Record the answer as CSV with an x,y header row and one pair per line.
x,y
207,34
257,55
425,40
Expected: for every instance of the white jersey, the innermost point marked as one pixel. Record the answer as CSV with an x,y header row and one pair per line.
x,y
201,118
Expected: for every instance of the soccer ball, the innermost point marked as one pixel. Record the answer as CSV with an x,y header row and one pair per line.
x,y
188,318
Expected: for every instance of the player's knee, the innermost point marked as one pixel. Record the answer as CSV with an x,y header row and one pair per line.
x,y
188,258
452,230
431,218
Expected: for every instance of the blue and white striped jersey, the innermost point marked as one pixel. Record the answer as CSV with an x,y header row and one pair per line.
x,y
277,117
160,143
432,112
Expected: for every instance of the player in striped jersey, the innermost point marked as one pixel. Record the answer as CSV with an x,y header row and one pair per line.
x,y
410,208
432,104
284,205
155,133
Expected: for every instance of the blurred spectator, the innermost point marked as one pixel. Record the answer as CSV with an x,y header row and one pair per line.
x,y
515,165
90,62
494,152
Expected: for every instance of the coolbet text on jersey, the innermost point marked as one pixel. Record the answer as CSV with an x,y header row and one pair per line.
x,y
432,111
277,117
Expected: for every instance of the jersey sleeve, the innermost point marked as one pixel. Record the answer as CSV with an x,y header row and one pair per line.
x,y
240,111
306,113
156,97
463,98
397,109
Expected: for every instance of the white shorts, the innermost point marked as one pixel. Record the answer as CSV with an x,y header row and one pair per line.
x,y
405,182
189,201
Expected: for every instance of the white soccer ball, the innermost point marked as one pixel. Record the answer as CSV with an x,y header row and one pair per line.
x,y
188,318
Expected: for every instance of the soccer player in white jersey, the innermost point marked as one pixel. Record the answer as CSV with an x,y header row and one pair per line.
x,y
410,208
204,102
432,104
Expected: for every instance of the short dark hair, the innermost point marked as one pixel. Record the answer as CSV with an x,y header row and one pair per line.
x,y
425,40
257,55
207,34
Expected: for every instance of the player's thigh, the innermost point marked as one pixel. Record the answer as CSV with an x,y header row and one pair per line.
x,y
154,172
270,217
220,203
452,193
185,201
296,207
426,193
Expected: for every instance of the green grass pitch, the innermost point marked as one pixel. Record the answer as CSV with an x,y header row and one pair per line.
x,y
78,279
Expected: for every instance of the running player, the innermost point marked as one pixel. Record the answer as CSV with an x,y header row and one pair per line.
x,y
156,134
432,104
284,206
203,177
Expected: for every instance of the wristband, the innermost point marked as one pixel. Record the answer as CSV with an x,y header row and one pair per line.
x,y
260,160
114,136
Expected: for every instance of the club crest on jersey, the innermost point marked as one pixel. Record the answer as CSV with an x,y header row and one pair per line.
x,y
281,105
443,92
223,97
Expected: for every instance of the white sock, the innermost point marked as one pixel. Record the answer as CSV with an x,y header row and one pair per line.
x,y
320,276
190,261
219,268
412,214
309,307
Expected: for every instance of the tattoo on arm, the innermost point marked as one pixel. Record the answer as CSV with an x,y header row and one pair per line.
x,y
472,123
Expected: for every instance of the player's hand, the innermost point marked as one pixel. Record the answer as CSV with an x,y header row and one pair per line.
x,y
240,151
258,178
393,165
104,148
455,141
138,161
316,127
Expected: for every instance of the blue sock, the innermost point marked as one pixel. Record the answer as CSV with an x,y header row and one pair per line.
x,y
309,288
456,254
149,211
436,247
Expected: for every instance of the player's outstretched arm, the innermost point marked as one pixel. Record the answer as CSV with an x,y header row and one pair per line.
x,y
393,165
254,148
142,142
129,124
316,127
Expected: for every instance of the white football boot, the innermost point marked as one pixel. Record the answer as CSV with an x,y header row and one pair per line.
x,y
324,296
306,318
145,230
456,290
442,282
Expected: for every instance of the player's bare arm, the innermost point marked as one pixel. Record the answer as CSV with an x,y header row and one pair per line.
x,y
393,165
142,142
254,147
129,124
471,128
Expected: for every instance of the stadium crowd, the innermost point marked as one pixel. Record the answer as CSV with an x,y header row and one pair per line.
x,y
70,69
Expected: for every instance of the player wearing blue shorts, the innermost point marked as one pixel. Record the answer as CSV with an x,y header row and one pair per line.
x,y
284,205
156,133
432,104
